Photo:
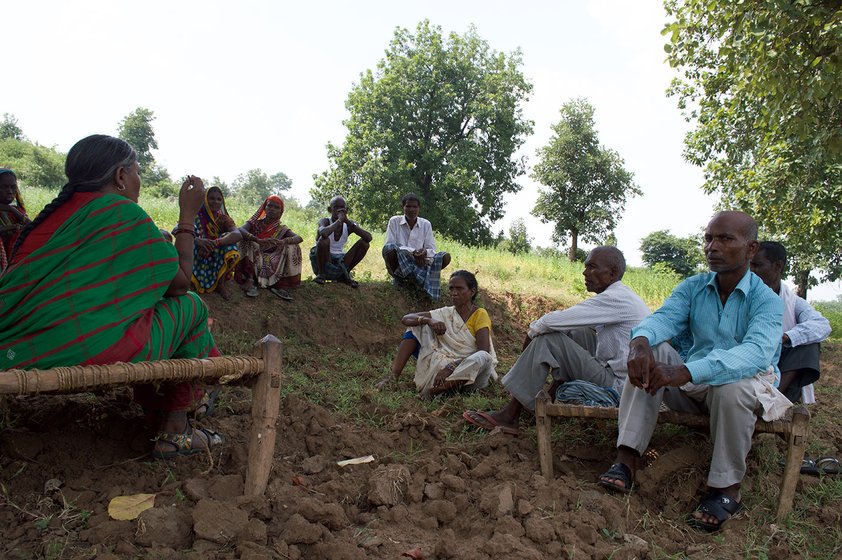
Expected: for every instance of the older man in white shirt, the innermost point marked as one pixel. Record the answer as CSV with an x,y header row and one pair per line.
x,y
804,327
586,342
410,249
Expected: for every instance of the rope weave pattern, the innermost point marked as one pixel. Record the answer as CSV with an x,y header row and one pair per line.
x,y
224,369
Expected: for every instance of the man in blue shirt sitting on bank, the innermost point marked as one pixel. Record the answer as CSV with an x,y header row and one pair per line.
x,y
730,371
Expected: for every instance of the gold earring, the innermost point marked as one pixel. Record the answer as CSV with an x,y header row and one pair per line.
x,y
121,187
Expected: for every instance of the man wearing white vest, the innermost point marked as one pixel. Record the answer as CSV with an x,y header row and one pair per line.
x,y
804,327
328,257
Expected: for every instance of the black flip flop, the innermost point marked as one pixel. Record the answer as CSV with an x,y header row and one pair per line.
x,y
820,467
824,466
718,505
617,471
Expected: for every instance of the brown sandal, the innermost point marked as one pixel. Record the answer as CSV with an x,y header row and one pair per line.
x,y
183,443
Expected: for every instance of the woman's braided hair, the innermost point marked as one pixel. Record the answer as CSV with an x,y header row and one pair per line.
x,y
91,164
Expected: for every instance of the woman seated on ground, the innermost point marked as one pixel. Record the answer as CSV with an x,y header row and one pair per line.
x,y
92,281
452,345
215,251
271,252
12,214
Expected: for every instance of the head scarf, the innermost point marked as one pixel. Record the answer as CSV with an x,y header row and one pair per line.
x,y
18,197
258,226
210,225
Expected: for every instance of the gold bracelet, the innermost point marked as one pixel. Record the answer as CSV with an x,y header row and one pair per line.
x,y
184,230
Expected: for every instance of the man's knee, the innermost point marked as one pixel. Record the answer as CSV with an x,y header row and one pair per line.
x,y
445,260
666,354
390,257
739,394
362,245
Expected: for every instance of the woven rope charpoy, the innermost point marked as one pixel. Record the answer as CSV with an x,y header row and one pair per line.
x,y
224,369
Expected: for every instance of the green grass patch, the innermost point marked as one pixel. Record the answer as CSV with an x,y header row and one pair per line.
x,y
833,311
807,539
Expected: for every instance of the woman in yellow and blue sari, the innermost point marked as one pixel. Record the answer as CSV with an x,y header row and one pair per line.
x,y
215,253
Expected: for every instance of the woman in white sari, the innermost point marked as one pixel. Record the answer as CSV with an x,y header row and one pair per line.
x,y
452,344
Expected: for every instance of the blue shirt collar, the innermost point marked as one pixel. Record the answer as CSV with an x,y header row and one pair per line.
x,y
744,285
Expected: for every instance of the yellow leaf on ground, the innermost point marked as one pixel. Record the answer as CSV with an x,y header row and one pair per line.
x,y
125,508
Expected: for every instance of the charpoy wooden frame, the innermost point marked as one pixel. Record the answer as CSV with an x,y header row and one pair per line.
x,y
793,430
262,370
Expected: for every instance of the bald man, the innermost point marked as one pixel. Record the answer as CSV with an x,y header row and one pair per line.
x,y
735,321
585,342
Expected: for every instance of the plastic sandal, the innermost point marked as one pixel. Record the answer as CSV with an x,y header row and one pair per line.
x,y
621,472
183,443
208,404
828,465
283,294
719,506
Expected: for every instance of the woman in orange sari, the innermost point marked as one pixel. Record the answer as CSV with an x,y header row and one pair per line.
x,y
271,252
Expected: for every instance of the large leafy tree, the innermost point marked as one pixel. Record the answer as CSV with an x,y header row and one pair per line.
x,y
9,128
682,255
136,129
255,185
518,240
35,165
587,184
761,82
441,117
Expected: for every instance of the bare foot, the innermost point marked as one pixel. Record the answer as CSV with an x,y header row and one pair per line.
x,y
445,386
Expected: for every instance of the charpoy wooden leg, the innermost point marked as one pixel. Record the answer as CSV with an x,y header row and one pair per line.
x,y
796,444
542,429
265,405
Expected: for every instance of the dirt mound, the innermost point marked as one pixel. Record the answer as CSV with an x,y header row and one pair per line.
x,y
434,484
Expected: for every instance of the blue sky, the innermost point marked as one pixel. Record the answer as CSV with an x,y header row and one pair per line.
x,y
240,85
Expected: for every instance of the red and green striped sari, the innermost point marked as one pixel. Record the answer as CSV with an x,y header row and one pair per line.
x,y
87,286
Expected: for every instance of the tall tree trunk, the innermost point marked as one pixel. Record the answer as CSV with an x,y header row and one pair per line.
x,y
802,278
574,240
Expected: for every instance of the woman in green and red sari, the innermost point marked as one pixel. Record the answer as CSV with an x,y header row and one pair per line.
x,y
12,214
92,281
271,252
215,254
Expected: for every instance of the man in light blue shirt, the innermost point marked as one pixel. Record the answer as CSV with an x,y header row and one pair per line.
x,y
735,322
